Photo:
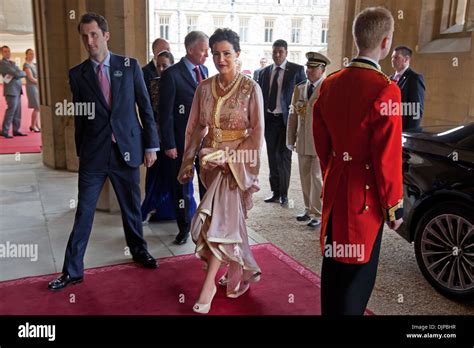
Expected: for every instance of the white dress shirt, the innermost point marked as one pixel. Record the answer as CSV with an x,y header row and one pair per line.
x,y
398,75
278,109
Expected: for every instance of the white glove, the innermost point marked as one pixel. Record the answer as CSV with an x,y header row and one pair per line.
x,y
290,147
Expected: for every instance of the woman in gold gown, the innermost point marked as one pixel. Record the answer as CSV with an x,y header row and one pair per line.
x,y
225,129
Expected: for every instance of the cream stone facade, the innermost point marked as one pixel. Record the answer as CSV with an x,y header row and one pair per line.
x,y
302,23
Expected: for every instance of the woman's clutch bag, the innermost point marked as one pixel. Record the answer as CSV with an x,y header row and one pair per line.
x,y
213,156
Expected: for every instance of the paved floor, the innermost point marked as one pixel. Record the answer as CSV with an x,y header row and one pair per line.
x,y
37,207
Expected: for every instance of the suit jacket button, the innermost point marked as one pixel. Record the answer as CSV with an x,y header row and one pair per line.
x,y
367,166
367,187
366,207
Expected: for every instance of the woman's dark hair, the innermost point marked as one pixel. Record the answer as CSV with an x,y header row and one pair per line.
x,y
28,50
90,17
225,34
167,54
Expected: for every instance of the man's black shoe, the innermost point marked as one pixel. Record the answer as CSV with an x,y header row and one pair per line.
x,y
284,201
273,199
145,259
314,223
181,239
19,134
303,217
63,281
6,135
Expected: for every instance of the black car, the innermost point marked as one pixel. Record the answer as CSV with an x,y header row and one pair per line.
x,y
438,184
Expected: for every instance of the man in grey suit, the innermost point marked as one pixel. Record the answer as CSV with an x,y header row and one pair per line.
x,y
12,91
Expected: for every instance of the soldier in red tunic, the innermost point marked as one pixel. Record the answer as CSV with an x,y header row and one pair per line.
x,y
359,142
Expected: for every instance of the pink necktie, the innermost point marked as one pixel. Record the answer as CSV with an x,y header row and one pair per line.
x,y
104,84
105,88
198,74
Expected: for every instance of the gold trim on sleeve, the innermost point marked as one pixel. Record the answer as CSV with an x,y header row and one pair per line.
x,y
390,212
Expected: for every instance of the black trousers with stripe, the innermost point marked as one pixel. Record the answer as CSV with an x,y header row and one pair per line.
x,y
346,288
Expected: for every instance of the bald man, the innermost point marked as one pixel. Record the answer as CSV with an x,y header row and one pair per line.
x,y
149,70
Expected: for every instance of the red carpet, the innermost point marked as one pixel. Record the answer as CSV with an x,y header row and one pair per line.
x,y
29,144
286,288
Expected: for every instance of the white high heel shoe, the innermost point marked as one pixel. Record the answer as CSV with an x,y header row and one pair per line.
x,y
202,308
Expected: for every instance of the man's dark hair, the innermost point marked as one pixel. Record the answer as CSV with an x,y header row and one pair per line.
x,y
225,34
90,17
404,50
167,54
4,46
28,50
281,43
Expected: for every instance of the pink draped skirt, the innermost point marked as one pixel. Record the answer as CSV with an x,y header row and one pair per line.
x,y
218,228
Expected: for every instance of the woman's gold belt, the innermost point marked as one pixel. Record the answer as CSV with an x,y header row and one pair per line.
x,y
219,135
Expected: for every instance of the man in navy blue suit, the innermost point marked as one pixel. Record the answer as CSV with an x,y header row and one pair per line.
x,y
110,143
278,82
177,86
412,86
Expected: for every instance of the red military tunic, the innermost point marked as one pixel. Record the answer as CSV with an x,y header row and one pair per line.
x,y
359,144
